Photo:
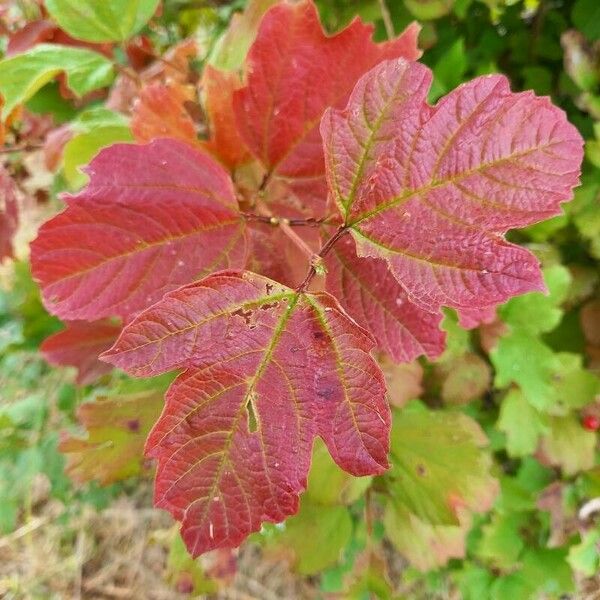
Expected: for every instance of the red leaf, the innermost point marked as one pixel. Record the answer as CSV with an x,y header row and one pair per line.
x,y
294,72
151,219
9,213
433,190
160,113
268,369
80,345
225,141
371,294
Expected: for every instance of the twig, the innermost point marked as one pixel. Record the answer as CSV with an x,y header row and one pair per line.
x,y
317,258
129,73
21,148
387,19
276,221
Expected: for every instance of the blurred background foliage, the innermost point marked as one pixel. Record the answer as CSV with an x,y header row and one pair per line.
x,y
508,415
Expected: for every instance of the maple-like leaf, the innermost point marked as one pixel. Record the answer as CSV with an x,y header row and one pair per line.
x,y
267,370
432,190
9,213
294,72
440,474
152,218
113,448
79,345
372,296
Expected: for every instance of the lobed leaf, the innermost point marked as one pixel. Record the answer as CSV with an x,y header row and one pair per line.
x,y
372,296
151,219
267,370
439,476
295,71
79,345
438,466
432,190
21,76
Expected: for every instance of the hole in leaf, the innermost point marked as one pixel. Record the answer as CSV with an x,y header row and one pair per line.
x,y
421,470
252,421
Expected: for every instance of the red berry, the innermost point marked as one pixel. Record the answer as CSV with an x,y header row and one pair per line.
x,y
591,422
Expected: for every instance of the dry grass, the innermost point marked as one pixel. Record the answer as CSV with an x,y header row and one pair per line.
x,y
119,553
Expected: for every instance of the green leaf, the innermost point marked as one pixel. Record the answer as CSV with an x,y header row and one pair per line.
x,y
586,17
449,69
474,582
521,422
21,76
574,386
438,465
181,565
425,10
230,50
101,21
95,117
522,359
584,557
546,570
370,579
80,149
48,100
511,587
317,536
426,546
536,312
328,484
501,543
568,445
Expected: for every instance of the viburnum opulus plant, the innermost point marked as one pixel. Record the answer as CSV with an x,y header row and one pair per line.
x,y
330,213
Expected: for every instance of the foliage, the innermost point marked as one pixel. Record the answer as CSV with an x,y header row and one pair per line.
x,y
314,226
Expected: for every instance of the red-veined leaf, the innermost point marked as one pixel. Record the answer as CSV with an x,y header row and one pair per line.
x,y
294,72
432,190
79,345
267,370
151,219
372,296
9,213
